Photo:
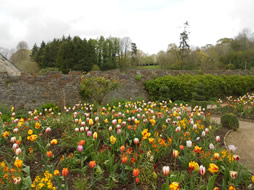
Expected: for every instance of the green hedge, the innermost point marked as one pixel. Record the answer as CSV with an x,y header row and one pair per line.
x,y
230,120
182,87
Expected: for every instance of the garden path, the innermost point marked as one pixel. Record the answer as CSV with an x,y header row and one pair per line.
x,y
243,139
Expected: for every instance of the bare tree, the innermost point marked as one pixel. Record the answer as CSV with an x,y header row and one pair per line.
x,y
22,45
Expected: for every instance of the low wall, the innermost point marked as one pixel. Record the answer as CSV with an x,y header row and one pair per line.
x,y
31,91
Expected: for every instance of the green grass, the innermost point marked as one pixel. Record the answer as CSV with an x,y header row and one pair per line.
x,y
149,67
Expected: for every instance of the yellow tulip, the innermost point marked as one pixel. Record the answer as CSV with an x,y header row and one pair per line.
x,y
213,168
112,139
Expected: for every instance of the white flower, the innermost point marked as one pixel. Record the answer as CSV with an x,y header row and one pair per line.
x,y
189,144
232,148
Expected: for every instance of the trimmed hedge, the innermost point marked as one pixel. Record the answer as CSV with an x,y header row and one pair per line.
x,y
183,86
230,120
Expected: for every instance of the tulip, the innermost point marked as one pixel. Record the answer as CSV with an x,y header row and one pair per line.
x,y
86,129
216,155
203,133
16,180
178,129
48,129
110,129
189,144
76,120
90,122
80,148
82,142
206,130
96,119
231,187
217,138
76,129
83,123
15,146
197,149
118,131
136,141
114,122
122,148
18,151
89,133
82,129
13,139
175,153
252,179
232,148
216,188
213,168
53,142
112,140
233,174
15,130
211,146
165,170
92,164
49,154
236,157
181,147
135,172
56,173
202,170
124,159
18,163
95,135
174,186
194,127
65,172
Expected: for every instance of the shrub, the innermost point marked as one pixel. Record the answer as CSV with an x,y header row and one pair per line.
x,y
229,120
138,77
164,92
48,106
182,87
95,68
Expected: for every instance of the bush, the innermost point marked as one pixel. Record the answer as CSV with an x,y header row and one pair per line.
x,y
182,87
229,120
138,77
164,91
48,106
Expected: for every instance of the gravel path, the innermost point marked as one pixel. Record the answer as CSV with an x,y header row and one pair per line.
x,y
243,139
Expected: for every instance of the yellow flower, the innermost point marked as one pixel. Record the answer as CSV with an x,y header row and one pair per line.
x,y
112,139
252,179
18,163
37,125
145,134
151,140
6,133
194,166
119,121
54,141
90,122
32,137
106,121
174,186
213,168
95,135
30,132
231,187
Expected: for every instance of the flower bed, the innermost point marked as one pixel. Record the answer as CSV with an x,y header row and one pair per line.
x,y
132,145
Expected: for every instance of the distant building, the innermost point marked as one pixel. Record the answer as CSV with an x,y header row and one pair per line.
x,y
7,66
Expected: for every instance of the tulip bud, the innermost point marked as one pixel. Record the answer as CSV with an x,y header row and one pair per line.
x,y
18,151
175,153
110,129
178,129
89,133
76,129
80,148
236,157
82,129
233,174
49,154
96,119
48,129
217,138
13,139
211,146
15,146
216,155
83,123
189,144
202,170
95,135
136,141
165,170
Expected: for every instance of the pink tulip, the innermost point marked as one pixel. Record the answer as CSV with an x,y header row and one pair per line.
x,y
136,141
80,148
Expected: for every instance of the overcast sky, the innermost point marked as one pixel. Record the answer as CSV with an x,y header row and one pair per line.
x,y
151,24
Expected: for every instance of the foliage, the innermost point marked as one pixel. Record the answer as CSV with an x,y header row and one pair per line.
x,y
47,70
229,120
50,106
181,86
131,142
97,87
138,77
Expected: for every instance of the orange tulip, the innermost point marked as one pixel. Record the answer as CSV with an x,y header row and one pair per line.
x,y
92,164
122,148
135,172
65,172
82,142
124,159
49,154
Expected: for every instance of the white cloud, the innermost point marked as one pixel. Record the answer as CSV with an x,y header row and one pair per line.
x,y
151,24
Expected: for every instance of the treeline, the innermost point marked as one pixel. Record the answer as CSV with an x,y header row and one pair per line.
x,y
67,54
228,53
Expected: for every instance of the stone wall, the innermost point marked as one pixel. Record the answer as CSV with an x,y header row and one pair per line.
x,y
31,91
